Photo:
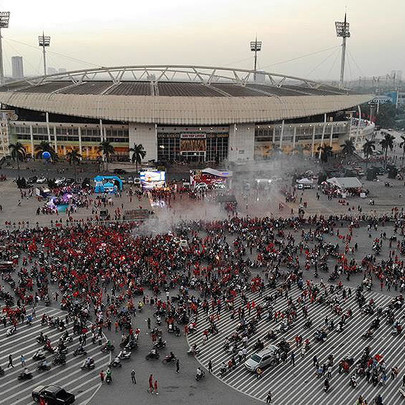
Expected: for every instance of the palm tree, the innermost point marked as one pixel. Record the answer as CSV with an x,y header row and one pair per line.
x,y
387,142
106,149
45,146
402,145
368,149
348,147
325,151
138,153
74,157
17,153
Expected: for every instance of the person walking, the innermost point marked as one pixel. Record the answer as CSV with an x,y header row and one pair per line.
x,y
177,366
156,387
292,358
10,361
102,375
22,359
210,366
151,384
133,377
268,398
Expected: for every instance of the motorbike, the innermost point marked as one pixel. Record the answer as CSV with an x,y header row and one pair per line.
x,y
49,348
131,345
43,367
38,355
88,365
124,355
200,376
158,320
116,363
1,371
106,348
258,346
160,344
24,376
11,331
308,324
173,329
66,338
169,359
79,351
152,355
222,371
108,379
41,339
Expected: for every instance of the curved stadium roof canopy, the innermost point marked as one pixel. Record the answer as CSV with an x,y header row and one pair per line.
x,y
179,95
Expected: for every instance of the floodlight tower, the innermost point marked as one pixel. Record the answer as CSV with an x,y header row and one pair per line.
x,y
255,46
44,41
4,20
342,30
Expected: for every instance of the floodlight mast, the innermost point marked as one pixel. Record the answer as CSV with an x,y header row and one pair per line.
x,y
4,20
44,41
342,30
255,46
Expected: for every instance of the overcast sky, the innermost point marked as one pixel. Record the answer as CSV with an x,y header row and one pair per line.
x,y
210,32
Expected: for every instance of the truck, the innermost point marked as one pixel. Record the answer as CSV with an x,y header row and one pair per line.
x,y
53,395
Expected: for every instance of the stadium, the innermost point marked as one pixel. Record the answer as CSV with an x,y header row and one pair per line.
x,y
178,113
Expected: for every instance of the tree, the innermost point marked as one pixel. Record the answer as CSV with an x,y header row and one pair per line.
x,y
368,149
138,153
402,145
387,143
45,146
348,147
74,158
107,150
17,153
325,152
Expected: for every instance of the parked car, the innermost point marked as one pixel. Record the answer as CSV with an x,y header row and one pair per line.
x,y
52,395
264,358
120,171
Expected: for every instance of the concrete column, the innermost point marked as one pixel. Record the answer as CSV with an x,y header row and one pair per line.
x,y
241,142
281,134
55,139
32,141
313,141
101,131
295,134
47,127
323,134
80,140
146,135
331,135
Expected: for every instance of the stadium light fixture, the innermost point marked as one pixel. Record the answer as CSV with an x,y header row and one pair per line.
x,y
4,20
44,41
342,31
255,46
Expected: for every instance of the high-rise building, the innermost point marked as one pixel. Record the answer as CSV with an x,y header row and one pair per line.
x,y
17,67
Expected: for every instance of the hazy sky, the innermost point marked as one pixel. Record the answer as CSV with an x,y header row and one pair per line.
x,y
210,32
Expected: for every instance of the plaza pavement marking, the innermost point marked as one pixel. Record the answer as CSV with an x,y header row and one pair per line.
x,y
302,376
69,376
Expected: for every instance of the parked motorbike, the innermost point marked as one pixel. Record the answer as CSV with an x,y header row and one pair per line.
x,y
24,376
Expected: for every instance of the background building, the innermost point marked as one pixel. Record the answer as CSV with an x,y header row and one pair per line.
x,y
17,67
179,113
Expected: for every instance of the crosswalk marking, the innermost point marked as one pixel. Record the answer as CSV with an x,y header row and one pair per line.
x,y
69,376
298,385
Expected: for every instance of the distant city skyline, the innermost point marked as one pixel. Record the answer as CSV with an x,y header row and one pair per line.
x,y
216,33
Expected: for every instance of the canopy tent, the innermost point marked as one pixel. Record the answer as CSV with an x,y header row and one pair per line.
x,y
345,182
217,173
305,181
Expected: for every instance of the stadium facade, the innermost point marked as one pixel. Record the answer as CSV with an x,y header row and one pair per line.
x,y
189,113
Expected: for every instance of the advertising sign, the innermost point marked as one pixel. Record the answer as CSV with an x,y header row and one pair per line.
x,y
152,179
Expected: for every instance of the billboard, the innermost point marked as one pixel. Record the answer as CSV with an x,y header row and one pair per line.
x,y
152,178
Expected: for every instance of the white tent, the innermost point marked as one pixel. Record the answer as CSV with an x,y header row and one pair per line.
x,y
345,182
216,172
305,181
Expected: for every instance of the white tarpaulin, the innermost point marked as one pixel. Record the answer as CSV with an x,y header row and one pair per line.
x,y
305,181
216,172
345,182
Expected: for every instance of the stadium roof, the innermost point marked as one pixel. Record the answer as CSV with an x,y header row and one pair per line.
x,y
178,95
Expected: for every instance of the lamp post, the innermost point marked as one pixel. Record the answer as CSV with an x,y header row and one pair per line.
x,y
255,46
4,20
44,41
342,30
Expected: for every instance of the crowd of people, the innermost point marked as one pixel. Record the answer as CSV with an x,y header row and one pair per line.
x,y
99,271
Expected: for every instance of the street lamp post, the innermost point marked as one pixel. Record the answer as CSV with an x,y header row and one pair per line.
x,y
255,46
4,20
342,30
44,41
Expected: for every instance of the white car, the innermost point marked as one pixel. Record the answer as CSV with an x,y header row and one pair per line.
x,y
42,180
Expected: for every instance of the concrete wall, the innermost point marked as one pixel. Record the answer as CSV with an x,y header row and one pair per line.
x,y
241,142
145,134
